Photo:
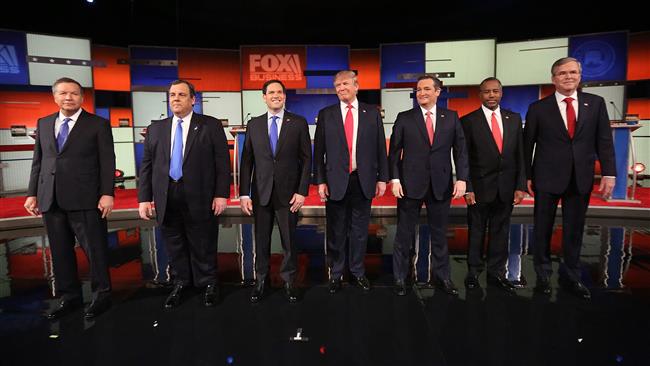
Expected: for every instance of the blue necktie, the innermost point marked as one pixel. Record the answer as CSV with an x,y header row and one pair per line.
x,y
176,162
63,133
273,134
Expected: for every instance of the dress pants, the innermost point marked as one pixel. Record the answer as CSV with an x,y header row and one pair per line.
x,y
495,218
348,220
191,243
90,229
408,216
265,216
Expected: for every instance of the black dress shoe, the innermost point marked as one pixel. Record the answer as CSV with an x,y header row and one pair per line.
x,y
447,286
97,307
471,283
362,282
543,286
291,292
64,307
211,295
174,299
520,283
502,283
258,290
334,285
400,288
576,288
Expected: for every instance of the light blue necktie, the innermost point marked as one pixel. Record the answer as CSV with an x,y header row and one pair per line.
x,y
63,133
273,134
176,163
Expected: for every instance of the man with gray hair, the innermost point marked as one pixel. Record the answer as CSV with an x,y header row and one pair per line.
x,y
71,184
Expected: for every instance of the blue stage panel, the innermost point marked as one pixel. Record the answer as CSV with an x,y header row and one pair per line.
x,y
308,105
518,98
400,59
323,59
13,58
153,66
603,56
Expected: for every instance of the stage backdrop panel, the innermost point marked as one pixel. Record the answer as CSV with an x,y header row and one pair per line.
x,y
518,98
464,99
460,62
323,62
53,57
210,70
224,106
262,63
252,104
153,67
148,106
308,105
13,58
401,64
25,108
394,101
603,56
529,63
638,60
111,68
366,64
614,96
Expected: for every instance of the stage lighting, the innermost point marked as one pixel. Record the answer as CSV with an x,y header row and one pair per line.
x,y
638,167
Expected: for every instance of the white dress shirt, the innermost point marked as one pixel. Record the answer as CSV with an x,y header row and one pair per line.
x,y
59,121
560,103
488,115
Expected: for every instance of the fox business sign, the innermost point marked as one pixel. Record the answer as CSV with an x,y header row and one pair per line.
x,y
266,63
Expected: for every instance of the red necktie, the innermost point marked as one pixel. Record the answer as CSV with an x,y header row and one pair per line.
x,y
429,123
496,132
349,132
570,117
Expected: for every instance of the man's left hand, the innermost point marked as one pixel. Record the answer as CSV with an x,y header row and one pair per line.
x,y
218,205
459,189
607,186
105,205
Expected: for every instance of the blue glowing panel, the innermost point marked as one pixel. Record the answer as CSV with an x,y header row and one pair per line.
x,y
139,153
443,99
13,58
308,105
603,56
153,66
103,112
518,98
400,64
323,62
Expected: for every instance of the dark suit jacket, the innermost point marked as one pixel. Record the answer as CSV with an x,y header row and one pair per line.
x,y
82,172
288,172
331,157
206,166
556,155
417,164
491,172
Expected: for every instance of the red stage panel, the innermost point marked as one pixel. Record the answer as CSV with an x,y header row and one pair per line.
x,y
210,70
547,90
366,62
640,107
262,63
25,108
120,113
464,105
638,57
111,71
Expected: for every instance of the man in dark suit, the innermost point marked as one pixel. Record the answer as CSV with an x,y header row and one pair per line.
x,y
497,182
420,171
567,131
186,171
351,168
71,183
275,173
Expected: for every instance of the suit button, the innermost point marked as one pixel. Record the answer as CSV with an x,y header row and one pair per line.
x,y
53,172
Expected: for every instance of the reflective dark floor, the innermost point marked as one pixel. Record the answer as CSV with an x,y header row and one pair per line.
x,y
484,327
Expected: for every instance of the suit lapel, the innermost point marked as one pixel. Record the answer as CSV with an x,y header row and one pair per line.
x,y
363,124
421,124
286,121
559,121
48,139
507,128
166,138
338,123
441,118
195,129
583,110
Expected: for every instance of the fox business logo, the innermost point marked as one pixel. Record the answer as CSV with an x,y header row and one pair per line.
x,y
8,60
275,66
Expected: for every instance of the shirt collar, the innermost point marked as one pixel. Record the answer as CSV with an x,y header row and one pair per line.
x,y
560,97
433,110
187,118
355,104
74,117
279,114
488,111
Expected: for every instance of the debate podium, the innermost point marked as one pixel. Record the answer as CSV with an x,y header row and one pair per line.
x,y
623,148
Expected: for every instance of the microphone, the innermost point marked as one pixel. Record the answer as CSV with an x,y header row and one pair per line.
x,y
246,116
616,109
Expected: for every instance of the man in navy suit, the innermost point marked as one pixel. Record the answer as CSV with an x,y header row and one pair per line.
x,y
351,168
567,131
71,183
497,182
186,171
275,173
420,171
